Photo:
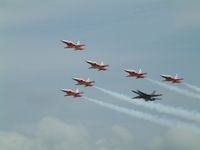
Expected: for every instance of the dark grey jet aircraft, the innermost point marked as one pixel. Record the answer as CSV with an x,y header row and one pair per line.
x,y
147,97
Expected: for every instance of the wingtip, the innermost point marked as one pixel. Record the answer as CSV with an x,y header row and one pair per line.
x,y
133,91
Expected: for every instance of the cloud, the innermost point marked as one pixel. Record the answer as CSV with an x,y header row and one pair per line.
x,y
50,134
11,141
177,139
53,134
120,138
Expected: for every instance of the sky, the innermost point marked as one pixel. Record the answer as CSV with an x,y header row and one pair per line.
x,y
159,36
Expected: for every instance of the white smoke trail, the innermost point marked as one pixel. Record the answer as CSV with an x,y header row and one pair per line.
x,y
177,111
146,116
196,88
175,89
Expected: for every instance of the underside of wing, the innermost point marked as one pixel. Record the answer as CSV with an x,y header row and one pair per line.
x,y
136,97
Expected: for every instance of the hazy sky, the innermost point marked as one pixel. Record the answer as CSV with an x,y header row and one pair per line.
x,y
159,36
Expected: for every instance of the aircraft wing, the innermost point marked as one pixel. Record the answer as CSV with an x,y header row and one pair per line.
x,y
135,92
156,95
142,93
136,97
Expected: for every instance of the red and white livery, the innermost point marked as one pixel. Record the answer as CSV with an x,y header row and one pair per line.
x,y
172,79
95,65
70,92
81,81
133,73
70,44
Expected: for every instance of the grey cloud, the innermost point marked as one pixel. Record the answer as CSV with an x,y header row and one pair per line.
x,y
50,134
119,139
53,134
177,139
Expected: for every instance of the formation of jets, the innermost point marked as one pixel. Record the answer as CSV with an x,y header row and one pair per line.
x,y
103,67
147,97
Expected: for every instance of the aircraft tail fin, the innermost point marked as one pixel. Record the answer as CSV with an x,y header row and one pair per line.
x,y
78,43
77,90
140,71
154,92
176,76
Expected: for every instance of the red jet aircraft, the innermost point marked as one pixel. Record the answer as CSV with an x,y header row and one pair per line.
x,y
172,79
83,82
133,73
76,46
95,65
70,92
